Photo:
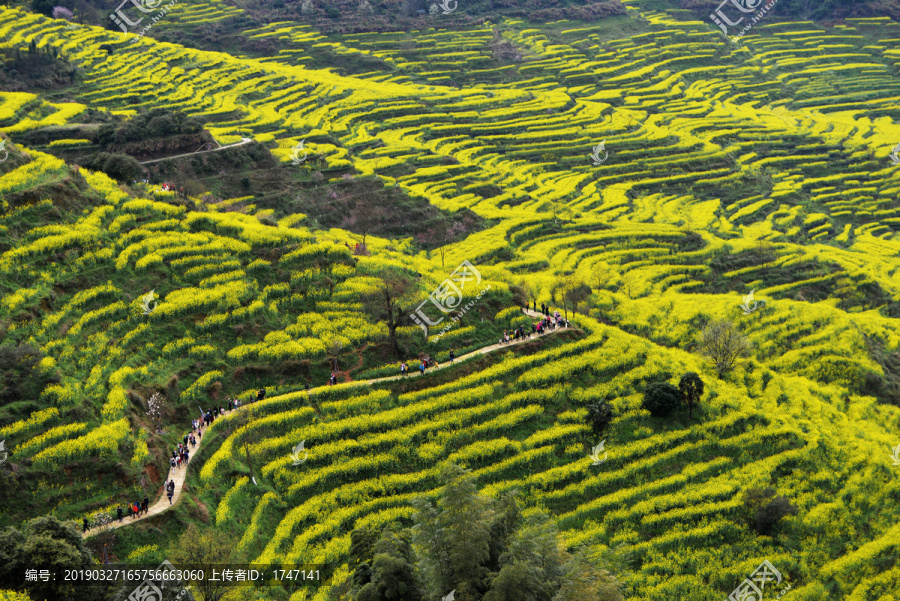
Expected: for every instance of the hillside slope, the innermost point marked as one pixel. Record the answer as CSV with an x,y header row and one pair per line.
x,y
726,168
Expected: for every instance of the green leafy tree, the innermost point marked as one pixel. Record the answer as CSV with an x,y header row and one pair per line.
x,y
766,510
47,543
533,565
599,416
20,377
452,539
480,548
582,581
691,387
118,166
660,398
45,7
206,549
392,576
508,517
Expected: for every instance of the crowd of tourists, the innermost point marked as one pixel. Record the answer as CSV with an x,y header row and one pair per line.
x,y
181,455
424,363
547,323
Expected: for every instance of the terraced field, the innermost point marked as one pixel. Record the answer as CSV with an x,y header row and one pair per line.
x,y
760,166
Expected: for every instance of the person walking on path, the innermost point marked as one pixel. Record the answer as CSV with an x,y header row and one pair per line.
x,y
146,505
118,514
261,394
85,525
170,490
452,356
422,367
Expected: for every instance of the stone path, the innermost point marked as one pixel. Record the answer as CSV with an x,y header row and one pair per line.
x,y
180,474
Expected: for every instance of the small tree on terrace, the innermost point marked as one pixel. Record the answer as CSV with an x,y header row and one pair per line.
x,y
691,387
577,295
571,291
365,220
724,344
391,301
531,290
599,416
441,235
765,510
334,351
629,283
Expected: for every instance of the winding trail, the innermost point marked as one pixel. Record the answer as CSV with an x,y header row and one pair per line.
x,y
482,351
180,474
162,504
190,154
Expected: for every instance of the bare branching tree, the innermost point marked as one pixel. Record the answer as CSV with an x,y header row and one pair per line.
x,y
334,351
724,344
391,301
